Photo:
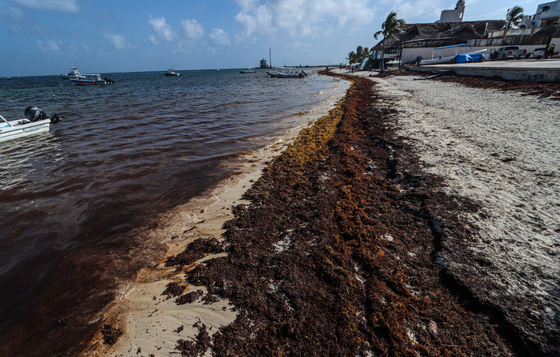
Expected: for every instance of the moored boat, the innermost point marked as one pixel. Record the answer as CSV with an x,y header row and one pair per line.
x,y
300,74
36,121
92,78
247,71
73,74
171,73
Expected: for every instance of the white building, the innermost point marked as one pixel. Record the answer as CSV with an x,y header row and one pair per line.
x,y
455,15
546,13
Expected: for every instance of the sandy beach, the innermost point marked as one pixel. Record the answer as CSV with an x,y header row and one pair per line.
x,y
144,320
418,218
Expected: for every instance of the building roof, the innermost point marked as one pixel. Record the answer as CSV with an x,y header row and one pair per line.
x,y
440,34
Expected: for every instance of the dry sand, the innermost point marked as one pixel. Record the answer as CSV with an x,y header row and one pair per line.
x,y
151,322
501,150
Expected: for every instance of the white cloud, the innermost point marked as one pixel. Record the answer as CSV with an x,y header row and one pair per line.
x,y
50,5
219,37
192,30
162,31
246,4
17,21
430,10
49,47
297,45
118,41
301,17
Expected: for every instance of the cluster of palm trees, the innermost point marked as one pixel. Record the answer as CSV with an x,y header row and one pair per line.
x,y
358,56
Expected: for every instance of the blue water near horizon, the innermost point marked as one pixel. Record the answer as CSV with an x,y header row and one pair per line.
x,y
72,199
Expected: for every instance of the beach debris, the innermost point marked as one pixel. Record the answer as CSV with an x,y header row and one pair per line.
x,y
195,251
432,328
110,334
189,298
173,289
197,347
546,94
309,300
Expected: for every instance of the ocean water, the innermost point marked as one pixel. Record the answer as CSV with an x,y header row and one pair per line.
x,y
72,200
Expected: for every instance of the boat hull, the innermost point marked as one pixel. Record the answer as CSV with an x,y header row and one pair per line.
x,y
441,60
22,130
88,82
67,76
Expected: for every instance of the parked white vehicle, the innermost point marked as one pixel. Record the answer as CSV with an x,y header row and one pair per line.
x,y
504,53
539,52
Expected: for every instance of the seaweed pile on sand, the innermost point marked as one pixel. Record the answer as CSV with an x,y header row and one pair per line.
x,y
540,90
336,254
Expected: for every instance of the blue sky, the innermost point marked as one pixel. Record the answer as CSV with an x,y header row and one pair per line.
x,y
42,37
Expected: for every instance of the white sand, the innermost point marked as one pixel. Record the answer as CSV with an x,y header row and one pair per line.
x,y
150,320
470,136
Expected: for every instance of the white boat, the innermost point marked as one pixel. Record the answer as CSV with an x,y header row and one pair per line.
x,y
73,74
438,58
292,75
36,122
92,78
247,71
171,73
287,74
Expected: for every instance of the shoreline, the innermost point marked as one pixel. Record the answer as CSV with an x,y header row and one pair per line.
x,y
379,247
142,305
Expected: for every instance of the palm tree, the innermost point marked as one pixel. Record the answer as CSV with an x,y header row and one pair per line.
x,y
389,28
514,16
352,58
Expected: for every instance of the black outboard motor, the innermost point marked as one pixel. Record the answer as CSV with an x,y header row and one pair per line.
x,y
36,114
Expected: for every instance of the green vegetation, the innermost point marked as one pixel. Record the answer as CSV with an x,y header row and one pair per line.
x,y
389,28
358,56
514,16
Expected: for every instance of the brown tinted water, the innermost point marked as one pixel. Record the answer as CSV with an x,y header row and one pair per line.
x,y
75,202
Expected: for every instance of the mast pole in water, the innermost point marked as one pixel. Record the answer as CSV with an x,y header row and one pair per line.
x,y
269,58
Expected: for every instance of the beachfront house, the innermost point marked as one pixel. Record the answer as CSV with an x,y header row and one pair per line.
x,y
421,39
546,13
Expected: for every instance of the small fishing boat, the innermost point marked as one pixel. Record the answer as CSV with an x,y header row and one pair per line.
x,y
247,71
36,121
301,74
438,58
171,73
92,78
292,75
73,74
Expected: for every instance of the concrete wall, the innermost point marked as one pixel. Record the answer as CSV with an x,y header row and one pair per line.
x,y
410,54
518,73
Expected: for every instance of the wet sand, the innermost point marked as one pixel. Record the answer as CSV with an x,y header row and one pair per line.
x,y
384,229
